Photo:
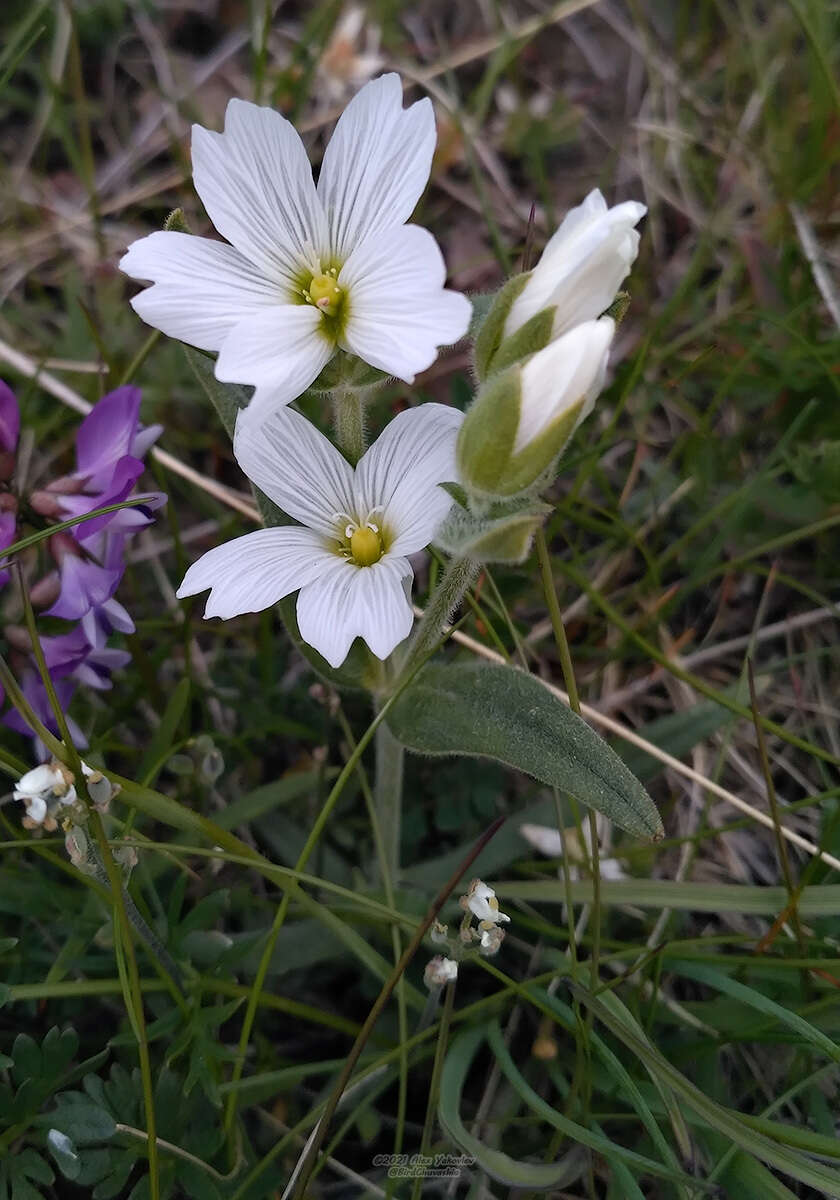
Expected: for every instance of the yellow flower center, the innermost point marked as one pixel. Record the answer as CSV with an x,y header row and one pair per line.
x,y
324,293
366,546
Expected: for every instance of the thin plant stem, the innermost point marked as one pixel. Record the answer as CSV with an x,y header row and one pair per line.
x,y
298,1184
387,790
447,596
570,682
781,848
434,1086
349,418
396,940
283,908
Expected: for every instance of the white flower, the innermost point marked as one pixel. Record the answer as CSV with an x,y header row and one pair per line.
x,y
308,270
582,266
482,903
46,789
348,555
563,380
440,971
43,790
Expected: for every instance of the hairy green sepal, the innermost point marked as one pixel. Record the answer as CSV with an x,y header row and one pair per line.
x,y
491,332
503,713
488,467
501,535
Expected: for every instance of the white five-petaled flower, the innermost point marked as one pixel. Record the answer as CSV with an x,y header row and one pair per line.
x,y
308,270
582,266
348,554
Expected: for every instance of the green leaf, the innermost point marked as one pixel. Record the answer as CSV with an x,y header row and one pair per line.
x,y
64,1151
226,398
495,1163
757,1000
160,747
505,714
80,1119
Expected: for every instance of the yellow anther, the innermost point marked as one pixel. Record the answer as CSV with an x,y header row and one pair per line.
x,y
325,294
365,546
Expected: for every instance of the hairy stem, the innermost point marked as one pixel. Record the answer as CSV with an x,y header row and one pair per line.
x,y
349,419
387,791
456,581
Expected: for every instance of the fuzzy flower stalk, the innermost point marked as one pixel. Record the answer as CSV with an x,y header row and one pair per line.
x,y
307,271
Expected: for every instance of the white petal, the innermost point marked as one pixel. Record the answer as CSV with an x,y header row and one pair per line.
x,y
297,467
566,371
350,602
401,471
201,289
376,164
282,348
398,311
256,183
583,264
253,572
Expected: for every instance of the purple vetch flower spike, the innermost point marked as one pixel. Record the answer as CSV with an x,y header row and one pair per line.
x,y
8,532
9,419
110,446
85,583
71,655
35,692
110,432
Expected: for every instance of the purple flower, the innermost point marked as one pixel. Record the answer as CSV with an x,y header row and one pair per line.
x,y
109,449
71,655
84,585
35,692
9,419
8,531
89,578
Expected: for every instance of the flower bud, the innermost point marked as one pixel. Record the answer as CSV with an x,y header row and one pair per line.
x,y
582,266
439,971
523,417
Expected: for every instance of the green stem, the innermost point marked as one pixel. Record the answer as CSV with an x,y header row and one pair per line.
x,y
283,907
562,643
349,418
387,791
457,579
297,1186
434,1087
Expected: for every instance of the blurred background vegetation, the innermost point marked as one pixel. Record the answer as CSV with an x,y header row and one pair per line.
x,y
695,529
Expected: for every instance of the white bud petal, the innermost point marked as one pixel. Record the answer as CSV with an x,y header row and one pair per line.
x,y
583,265
569,371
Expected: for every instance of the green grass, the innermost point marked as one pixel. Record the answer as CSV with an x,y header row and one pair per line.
x,y
699,506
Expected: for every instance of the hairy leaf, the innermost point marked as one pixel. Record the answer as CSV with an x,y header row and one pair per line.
x,y
502,713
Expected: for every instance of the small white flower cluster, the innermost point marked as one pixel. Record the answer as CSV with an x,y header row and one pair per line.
x,y
49,793
479,902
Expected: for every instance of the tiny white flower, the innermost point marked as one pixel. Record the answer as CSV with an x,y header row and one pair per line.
x,y
491,940
482,903
43,790
347,556
583,265
563,378
440,971
308,270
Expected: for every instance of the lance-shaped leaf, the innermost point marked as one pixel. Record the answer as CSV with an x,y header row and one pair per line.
x,y
505,714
